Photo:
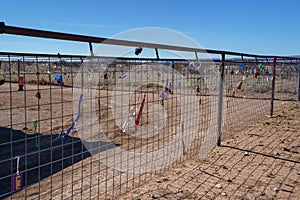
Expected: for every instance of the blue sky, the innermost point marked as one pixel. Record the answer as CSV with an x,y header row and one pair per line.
x,y
256,26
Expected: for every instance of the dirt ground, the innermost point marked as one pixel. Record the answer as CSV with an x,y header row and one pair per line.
x,y
261,161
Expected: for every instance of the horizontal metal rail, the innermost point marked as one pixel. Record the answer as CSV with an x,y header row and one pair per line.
x,y
4,29
81,58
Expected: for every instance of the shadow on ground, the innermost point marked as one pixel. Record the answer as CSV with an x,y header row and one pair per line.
x,y
37,163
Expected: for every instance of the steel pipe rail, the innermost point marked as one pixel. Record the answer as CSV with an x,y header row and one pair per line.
x,y
4,29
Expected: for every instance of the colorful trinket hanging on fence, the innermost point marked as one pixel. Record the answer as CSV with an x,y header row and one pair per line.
x,y
17,178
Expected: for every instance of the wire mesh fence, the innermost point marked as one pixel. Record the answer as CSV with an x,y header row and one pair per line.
x,y
97,127
248,95
47,156
248,85
127,109
287,81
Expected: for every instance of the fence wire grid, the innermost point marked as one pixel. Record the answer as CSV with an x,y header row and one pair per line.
x,y
134,115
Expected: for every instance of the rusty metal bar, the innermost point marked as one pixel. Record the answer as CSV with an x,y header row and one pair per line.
x,y
4,29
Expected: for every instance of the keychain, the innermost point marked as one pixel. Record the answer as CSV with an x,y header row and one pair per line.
x,y
17,179
137,120
233,92
35,133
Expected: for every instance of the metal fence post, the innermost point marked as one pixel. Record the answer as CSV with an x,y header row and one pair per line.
x,y
91,49
220,103
273,86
